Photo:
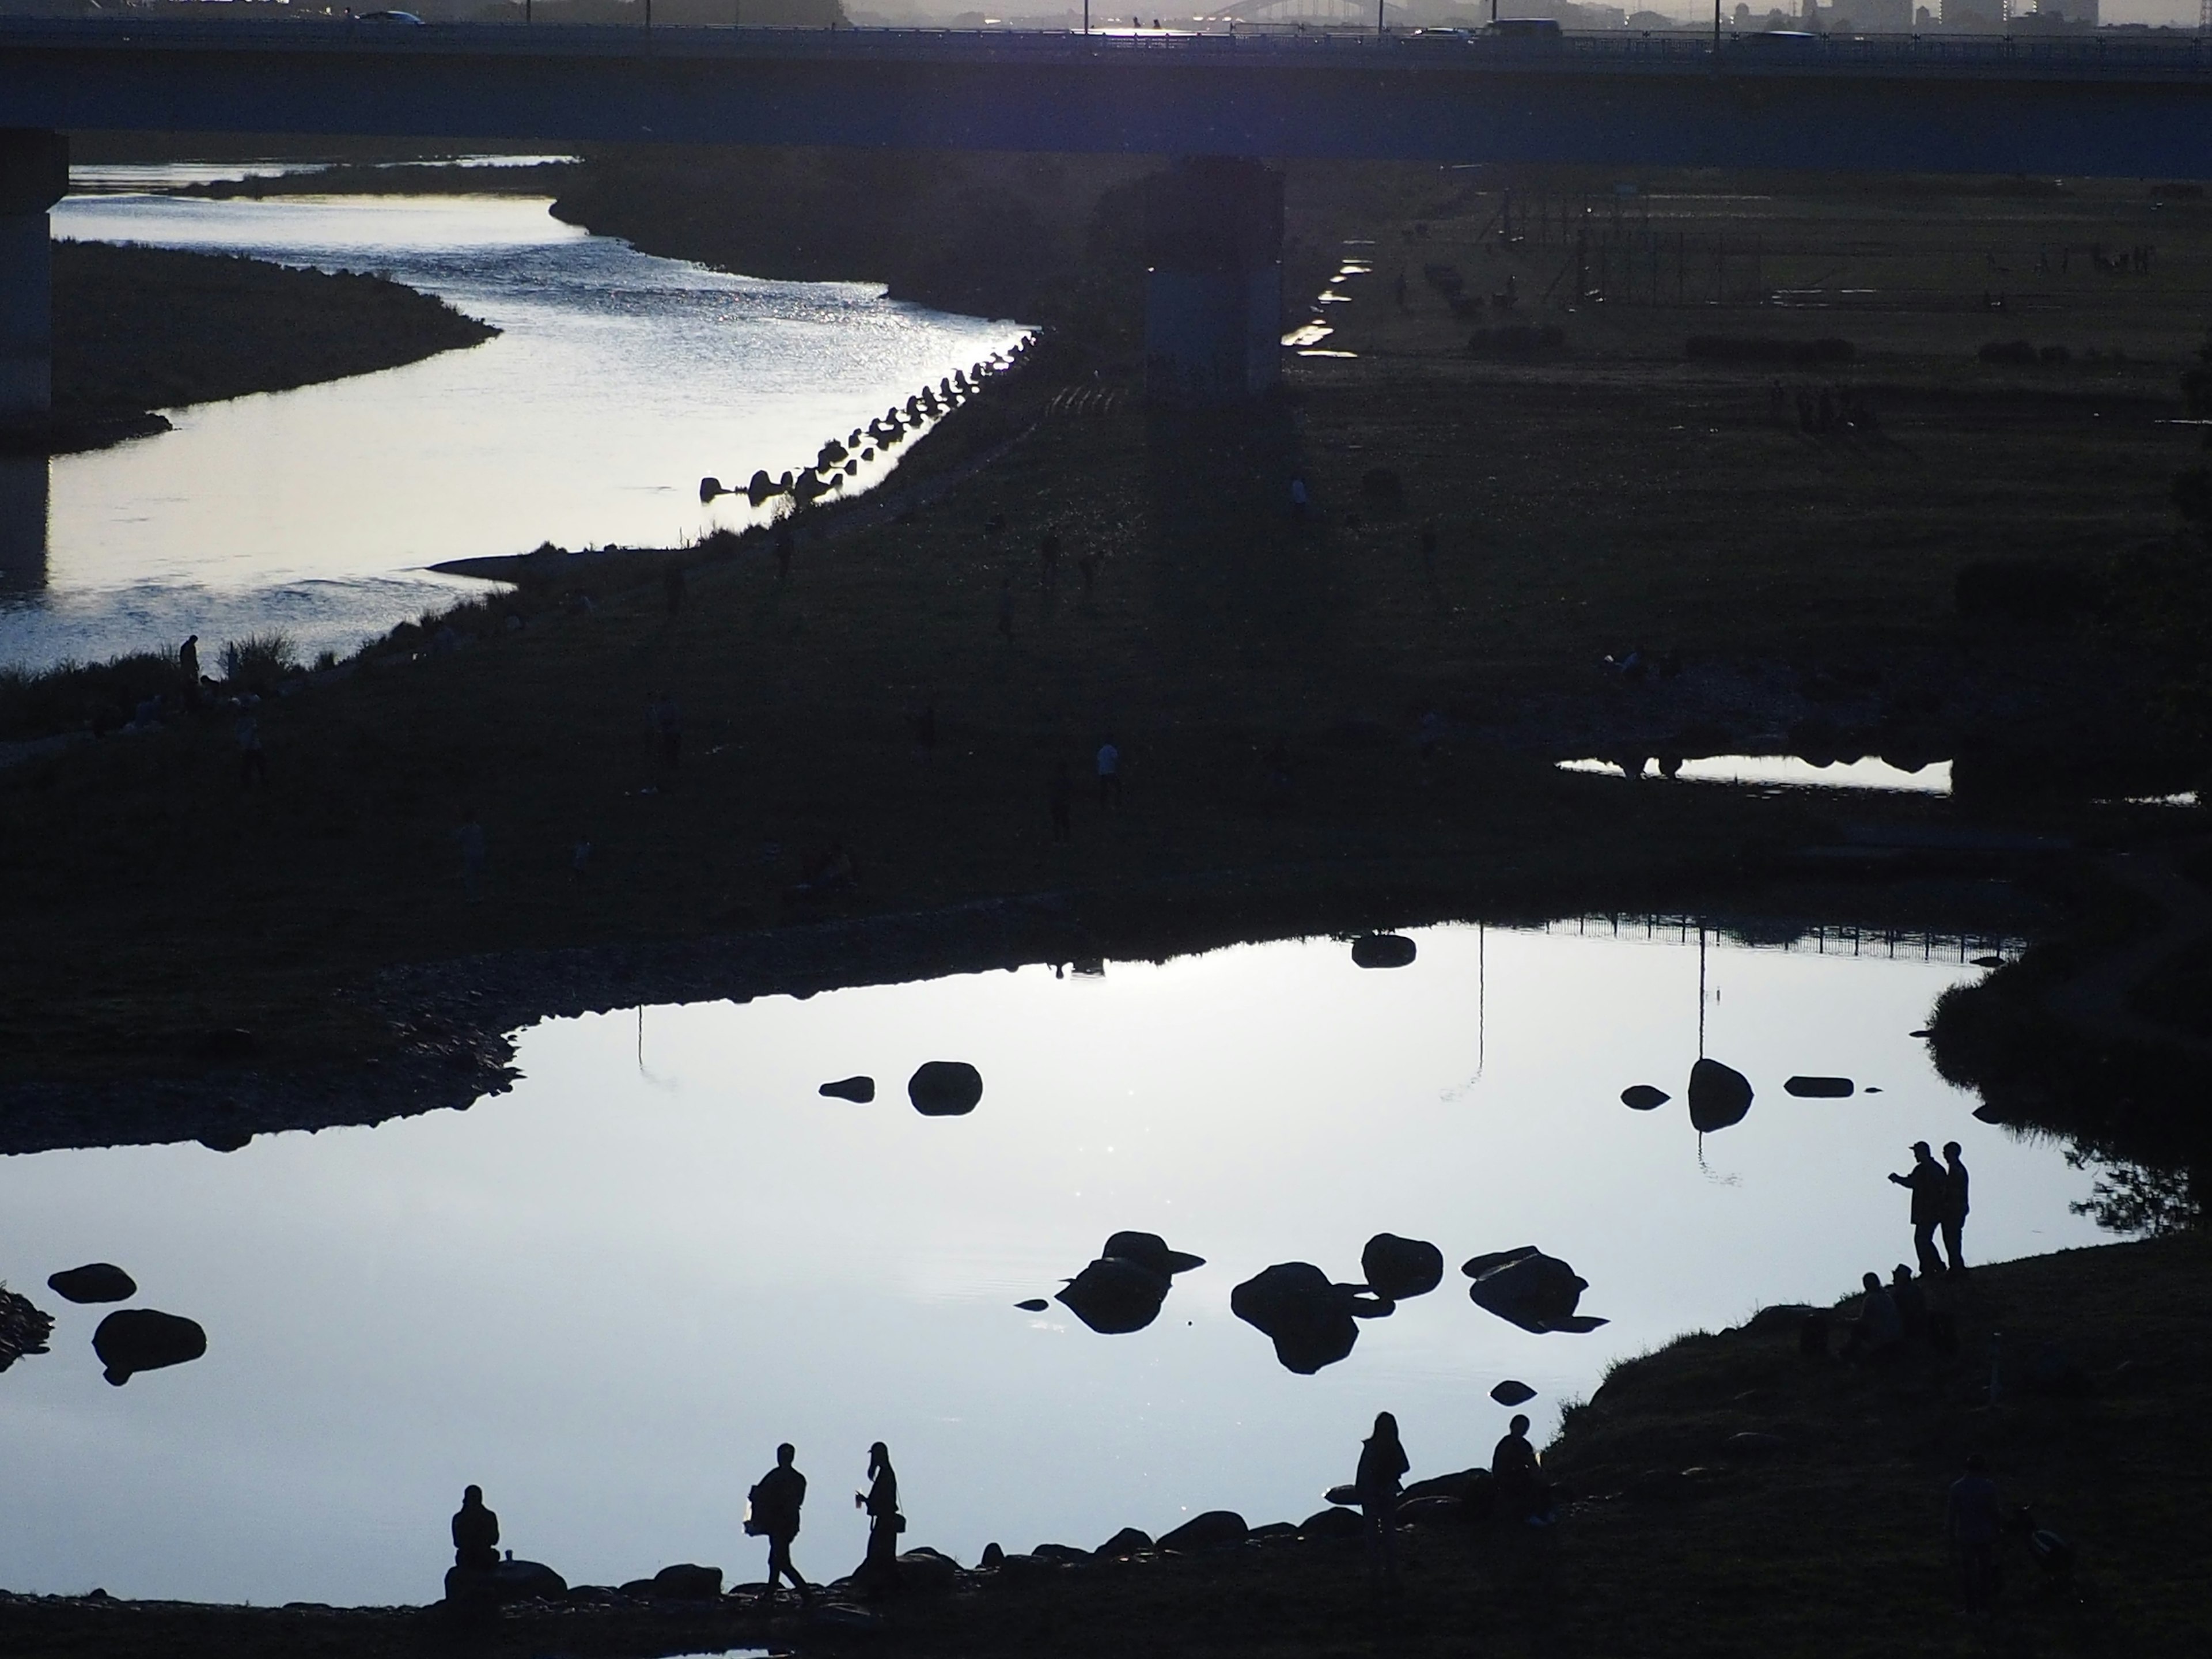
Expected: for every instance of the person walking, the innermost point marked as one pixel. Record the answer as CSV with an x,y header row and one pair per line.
x,y
1927,1184
773,1507
1110,775
1954,1206
1382,1464
1971,1524
879,1573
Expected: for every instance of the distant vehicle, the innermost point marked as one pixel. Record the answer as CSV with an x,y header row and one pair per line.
x,y
1442,34
406,19
1523,28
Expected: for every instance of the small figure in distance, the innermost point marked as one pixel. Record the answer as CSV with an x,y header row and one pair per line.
x,y
476,1533
1911,1304
1970,1522
1110,775
1954,1206
188,666
1927,1183
879,1573
1517,1473
1877,1331
1381,1463
1063,805
773,1508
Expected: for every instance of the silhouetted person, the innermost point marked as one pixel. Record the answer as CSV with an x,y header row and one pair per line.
x,y
1970,1522
476,1533
1956,1207
1382,1463
1911,1304
1877,1330
775,1501
188,664
1063,804
1110,775
879,1573
1517,1476
1928,1183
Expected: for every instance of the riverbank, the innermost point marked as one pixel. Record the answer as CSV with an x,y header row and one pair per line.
x,y
1723,1495
138,329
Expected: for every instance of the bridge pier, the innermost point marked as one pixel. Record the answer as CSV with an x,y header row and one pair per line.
x,y
33,176
1213,291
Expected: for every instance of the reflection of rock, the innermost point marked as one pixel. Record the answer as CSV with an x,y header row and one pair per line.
x,y
1215,1530
1642,1097
1719,1096
1150,1250
1033,1305
1383,950
1309,1319
858,1089
141,1339
1399,1267
1819,1088
23,1328
1525,1287
96,1281
1114,1296
1512,1392
945,1088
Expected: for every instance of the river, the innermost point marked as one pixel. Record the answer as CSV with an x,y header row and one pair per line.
x,y
618,382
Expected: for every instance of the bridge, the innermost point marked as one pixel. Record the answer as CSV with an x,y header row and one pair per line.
x,y
2067,105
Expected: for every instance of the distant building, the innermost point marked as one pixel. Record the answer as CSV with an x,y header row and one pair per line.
x,y
1869,17
2080,13
1975,14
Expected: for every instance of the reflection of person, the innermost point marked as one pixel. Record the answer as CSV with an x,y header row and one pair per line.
x,y
774,1502
1954,1206
1970,1521
1927,1183
1517,1471
879,1573
476,1533
1382,1461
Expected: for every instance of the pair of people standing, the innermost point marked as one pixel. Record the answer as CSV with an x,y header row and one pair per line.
x,y
1939,1203
1522,1494
772,1512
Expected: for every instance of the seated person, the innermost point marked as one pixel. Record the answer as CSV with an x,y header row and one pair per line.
x,y
1911,1304
1522,1493
1878,1332
476,1533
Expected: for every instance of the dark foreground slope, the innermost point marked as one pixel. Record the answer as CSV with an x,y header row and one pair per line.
x,y
1820,1535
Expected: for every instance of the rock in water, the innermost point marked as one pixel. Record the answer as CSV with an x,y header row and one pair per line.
x,y
1033,1305
141,1339
1150,1250
1215,1530
1512,1392
858,1089
945,1088
1819,1088
1720,1097
1114,1296
23,1327
1399,1268
1642,1097
1309,1320
1525,1287
1383,950
96,1281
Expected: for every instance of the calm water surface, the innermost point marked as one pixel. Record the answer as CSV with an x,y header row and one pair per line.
x,y
607,1295
619,382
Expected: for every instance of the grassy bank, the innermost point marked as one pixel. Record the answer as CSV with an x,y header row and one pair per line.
x,y
1726,1495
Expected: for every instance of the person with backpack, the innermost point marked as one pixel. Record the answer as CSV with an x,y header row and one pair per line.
x,y
772,1512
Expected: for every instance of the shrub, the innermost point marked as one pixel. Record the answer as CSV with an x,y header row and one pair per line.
x,y
37,703
259,661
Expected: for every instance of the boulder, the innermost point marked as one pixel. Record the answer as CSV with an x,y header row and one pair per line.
x,y
1525,1287
141,1339
1274,1530
1512,1392
1331,1523
1819,1088
1113,1296
1060,1553
1215,1530
1309,1319
992,1556
1128,1541
686,1583
1436,1506
1345,1492
1150,1250
858,1089
1720,1097
927,1572
96,1281
638,1589
1642,1097
527,1580
1383,950
1399,1268
945,1088
1453,1487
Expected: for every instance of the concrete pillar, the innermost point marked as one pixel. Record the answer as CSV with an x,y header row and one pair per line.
x,y
1213,294
23,523
33,176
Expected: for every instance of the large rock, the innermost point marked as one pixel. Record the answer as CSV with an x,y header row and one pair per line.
x,y
1128,1541
1399,1268
858,1089
1309,1319
925,1572
1525,1287
141,1339
1113,1296
1819,1088
509,1581
1720,1097
1383,950
945,1088
1331,1523
96,1281
686,1582
1215,1530
1150,1250
1642,1097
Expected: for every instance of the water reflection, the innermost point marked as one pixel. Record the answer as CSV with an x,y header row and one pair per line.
x,y
1784,771
629,1265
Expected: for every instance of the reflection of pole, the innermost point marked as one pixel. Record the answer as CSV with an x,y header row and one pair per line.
x,y
1701,990
1482,996
640,1040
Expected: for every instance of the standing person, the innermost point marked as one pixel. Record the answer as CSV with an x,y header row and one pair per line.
x,y
879,1573
188,666
1954,1206
1110,775
476,1533
1927,1184
1970,1522
1517,1473
773,1504
1382,1461
252,763
1063,805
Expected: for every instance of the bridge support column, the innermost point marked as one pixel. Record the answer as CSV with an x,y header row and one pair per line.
x,y
33,176
1213,294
